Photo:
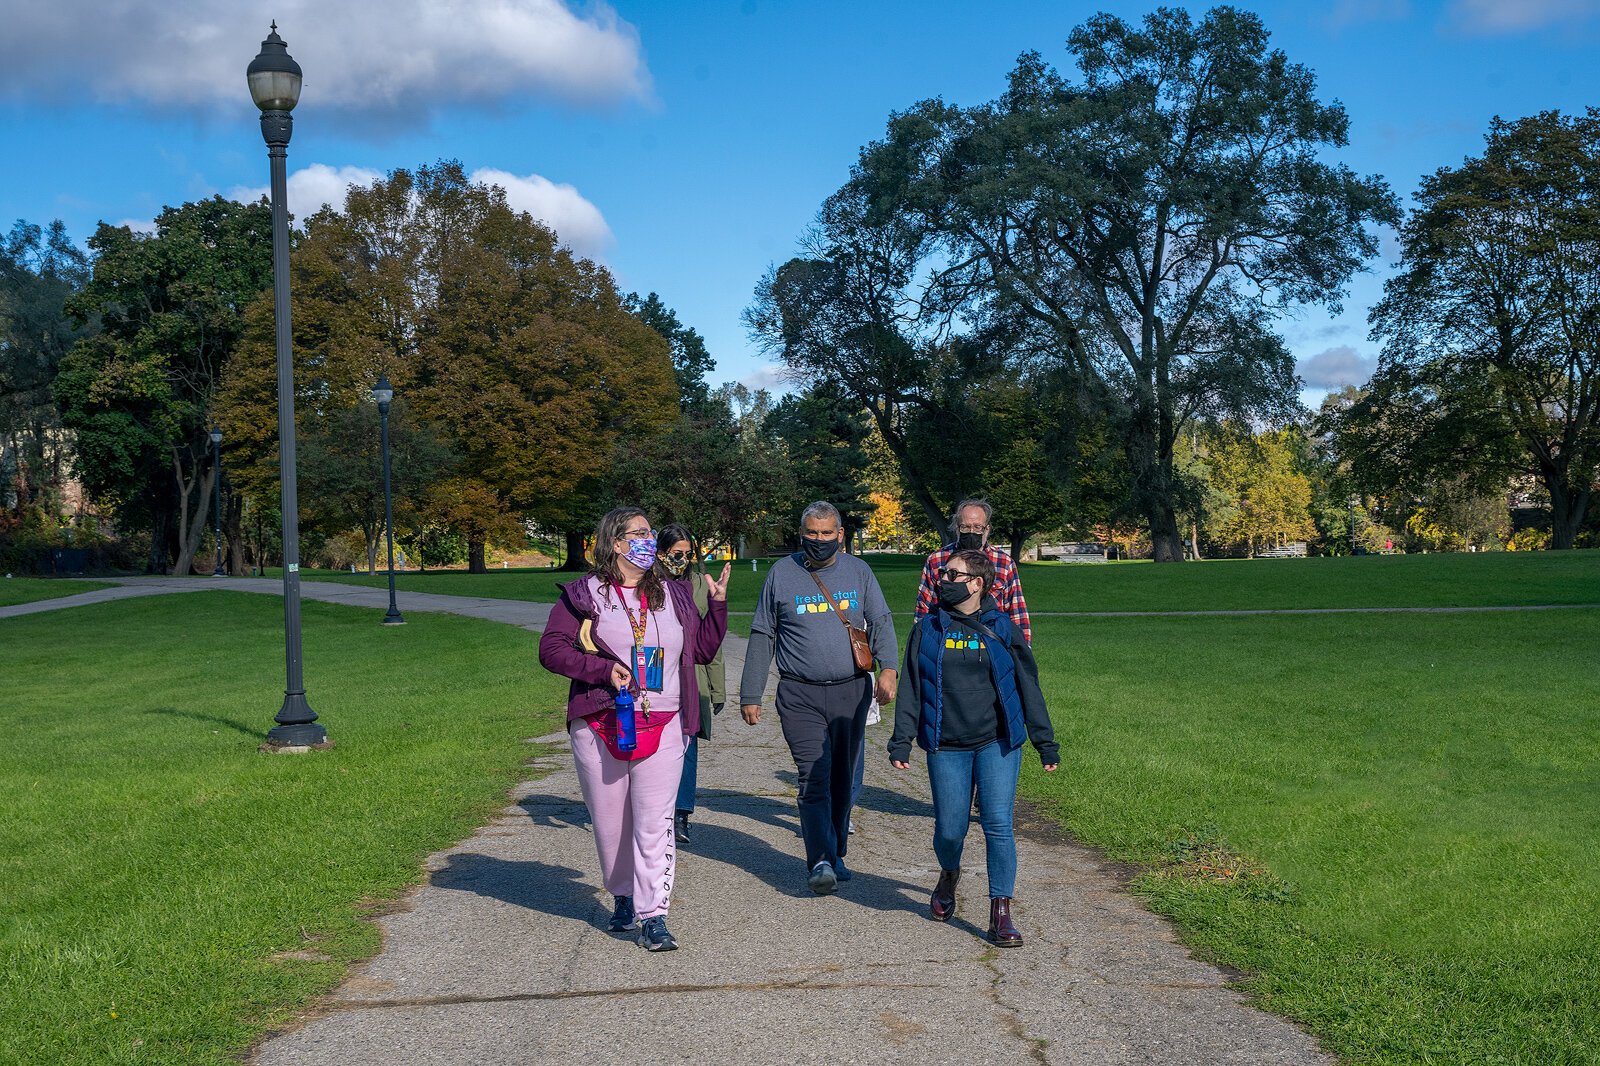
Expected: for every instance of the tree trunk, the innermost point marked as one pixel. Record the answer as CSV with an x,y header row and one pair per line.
x,y
1194,540
1166,542
475,550
372,552
233,528
1567,509
938,521
197,526
156,561
1018,538
577,561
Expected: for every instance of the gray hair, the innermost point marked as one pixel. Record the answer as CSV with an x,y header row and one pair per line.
x,y
821,509
971,501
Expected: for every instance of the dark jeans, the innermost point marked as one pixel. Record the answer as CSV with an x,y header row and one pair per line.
x,y
952,775
691,761
686,785
823,725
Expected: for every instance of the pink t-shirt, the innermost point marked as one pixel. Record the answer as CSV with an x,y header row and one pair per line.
x,y
662,630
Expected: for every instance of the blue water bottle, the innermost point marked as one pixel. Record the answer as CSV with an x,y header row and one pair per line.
x,y
627,739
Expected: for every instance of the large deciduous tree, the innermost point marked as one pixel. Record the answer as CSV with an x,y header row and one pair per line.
x,y
39,269
1154,218
140,394
1491,329
846,315
523,358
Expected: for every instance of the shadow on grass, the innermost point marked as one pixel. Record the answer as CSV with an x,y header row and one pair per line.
x,y
240,727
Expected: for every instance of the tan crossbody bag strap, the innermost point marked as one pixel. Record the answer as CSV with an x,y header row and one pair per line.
x,y
860,649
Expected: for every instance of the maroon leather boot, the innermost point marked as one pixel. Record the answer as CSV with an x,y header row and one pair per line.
x,y
1001,931
942,904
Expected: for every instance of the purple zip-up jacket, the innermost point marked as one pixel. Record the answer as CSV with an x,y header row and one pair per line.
x,y
591,691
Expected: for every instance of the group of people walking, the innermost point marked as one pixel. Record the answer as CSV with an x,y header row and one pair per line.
x,y
640,638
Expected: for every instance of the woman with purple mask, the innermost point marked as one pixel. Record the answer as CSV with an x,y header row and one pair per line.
x,y
622,628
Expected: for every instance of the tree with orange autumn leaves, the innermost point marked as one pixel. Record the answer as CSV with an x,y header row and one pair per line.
x,y
522,357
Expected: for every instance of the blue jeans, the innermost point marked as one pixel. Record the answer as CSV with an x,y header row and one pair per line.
x,y
687,783
951,774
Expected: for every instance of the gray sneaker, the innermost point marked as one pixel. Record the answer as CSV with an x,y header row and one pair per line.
x,y
822,879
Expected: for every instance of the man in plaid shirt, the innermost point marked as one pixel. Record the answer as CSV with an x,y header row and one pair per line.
x,y
971,527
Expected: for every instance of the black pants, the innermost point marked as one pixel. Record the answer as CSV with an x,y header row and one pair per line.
x,y
824,725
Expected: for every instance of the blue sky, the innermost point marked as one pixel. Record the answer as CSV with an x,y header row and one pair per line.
x,y
685,144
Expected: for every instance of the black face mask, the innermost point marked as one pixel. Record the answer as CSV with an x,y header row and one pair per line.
x,y
818,551
952,594
970,542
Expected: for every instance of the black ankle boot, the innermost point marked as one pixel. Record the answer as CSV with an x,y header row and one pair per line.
x,y
942,904
680,827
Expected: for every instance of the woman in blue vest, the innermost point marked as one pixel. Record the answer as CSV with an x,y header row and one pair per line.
x,y
969,693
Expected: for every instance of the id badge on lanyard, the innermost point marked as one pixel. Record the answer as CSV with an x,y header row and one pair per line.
x,y
649,662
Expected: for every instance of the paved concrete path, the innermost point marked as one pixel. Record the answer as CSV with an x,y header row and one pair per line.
x,y
503,958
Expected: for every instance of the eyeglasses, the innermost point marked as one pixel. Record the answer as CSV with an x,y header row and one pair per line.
x,y
638,534
972,529
950,574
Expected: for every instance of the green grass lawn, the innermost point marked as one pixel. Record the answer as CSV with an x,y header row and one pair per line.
x,y
31,589
1411,800
153,864
1451,580
1387,821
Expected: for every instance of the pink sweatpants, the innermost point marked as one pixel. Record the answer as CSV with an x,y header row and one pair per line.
x,y
630,807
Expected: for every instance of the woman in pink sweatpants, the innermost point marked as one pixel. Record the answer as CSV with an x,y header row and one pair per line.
x,y
620,626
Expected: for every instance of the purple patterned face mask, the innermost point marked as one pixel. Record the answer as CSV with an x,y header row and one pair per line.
x,y
641,552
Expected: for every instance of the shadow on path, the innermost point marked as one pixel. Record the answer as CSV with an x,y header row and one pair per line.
x,y
554,890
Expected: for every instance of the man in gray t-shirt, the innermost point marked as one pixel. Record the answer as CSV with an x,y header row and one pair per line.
x,y
822,698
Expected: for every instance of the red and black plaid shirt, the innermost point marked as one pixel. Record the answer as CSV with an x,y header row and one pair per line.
x,y
1007,590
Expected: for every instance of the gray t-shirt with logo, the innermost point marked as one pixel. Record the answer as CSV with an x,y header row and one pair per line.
x,y
794,621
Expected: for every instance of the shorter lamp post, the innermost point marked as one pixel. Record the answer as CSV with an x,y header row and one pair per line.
x,y
383,392
216,466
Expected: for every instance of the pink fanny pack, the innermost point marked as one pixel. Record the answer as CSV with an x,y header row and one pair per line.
x,y
648,733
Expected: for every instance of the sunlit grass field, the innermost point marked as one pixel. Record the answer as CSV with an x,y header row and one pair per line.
x,y
1387,820
1450,580
33,589
153,864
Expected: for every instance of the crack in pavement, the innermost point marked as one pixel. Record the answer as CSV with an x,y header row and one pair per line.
x,y
602,993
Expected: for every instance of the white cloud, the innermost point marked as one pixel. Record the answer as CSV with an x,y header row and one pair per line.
x,y
576,221
1336,367
775,379
1494,17
146,226
311,187
1346,13
398,57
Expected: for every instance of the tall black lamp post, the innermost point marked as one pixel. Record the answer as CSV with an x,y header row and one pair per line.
x,y
275,87
383,392
216,466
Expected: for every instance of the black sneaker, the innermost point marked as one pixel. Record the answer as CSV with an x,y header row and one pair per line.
x,y
680,827
622,915
841,871
653,935
823,880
